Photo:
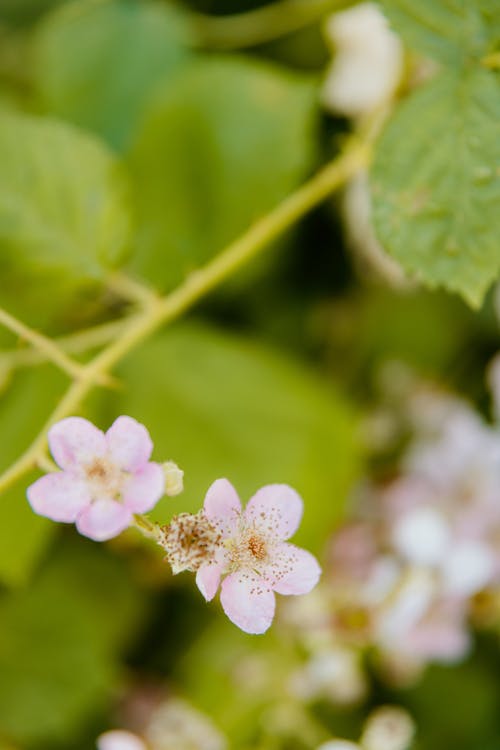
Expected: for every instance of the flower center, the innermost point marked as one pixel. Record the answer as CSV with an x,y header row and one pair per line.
x,y
105,479
257,547
248,549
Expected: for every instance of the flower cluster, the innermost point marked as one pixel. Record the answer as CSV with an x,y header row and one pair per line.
x,y
418,563
107,480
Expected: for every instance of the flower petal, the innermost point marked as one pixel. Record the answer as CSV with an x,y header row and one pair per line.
x,y
59,496
144,488
118,739
129,443
103,520
208,579
222,506
74,441
468,568
276,510
248,601
293,570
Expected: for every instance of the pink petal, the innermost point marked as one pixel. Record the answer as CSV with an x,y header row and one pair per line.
x,y
129,443
103,520
59,496
293,570
120,740
208,579
74,441
248,601
440,641
143,489
222,506
276,510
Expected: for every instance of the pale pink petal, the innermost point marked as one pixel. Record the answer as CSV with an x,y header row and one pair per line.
x,y
143,489
208,579
129,443
103,520
248,601
59,496
292,570
276,510
222,506
120,740
440,641
75,441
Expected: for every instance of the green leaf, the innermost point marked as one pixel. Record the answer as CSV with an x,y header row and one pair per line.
x,y
96,64
222,406
63,207
220,146
24,407
436,183
59,644
450,32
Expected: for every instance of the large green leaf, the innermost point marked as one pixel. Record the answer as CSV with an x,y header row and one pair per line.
x,y
219,147
224,406
60,640
450,31
96,64
63,206
436,183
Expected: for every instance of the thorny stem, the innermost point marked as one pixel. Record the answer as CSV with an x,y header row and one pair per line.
x,y
197,285
263,24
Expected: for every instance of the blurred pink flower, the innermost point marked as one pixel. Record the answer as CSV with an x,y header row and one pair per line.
x,y
105,478
118,739
254,554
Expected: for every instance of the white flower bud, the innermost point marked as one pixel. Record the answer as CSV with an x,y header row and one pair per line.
x,y
174,479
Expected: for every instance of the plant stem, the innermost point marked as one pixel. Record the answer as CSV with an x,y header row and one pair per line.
x,y
75,343
262,25
50,350
43,344
196,286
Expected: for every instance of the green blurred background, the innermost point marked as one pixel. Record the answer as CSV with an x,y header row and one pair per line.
x,y
265,381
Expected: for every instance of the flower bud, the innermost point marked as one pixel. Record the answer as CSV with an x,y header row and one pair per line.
x,y
174,479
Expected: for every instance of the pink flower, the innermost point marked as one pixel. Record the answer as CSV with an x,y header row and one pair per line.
x,y
105,478
118,739
254,555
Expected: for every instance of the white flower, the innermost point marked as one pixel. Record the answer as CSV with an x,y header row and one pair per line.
x,y
368,63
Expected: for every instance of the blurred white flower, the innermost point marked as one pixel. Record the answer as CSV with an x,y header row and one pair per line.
x,y
388,728
176,725
335,674
368,61
118,739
